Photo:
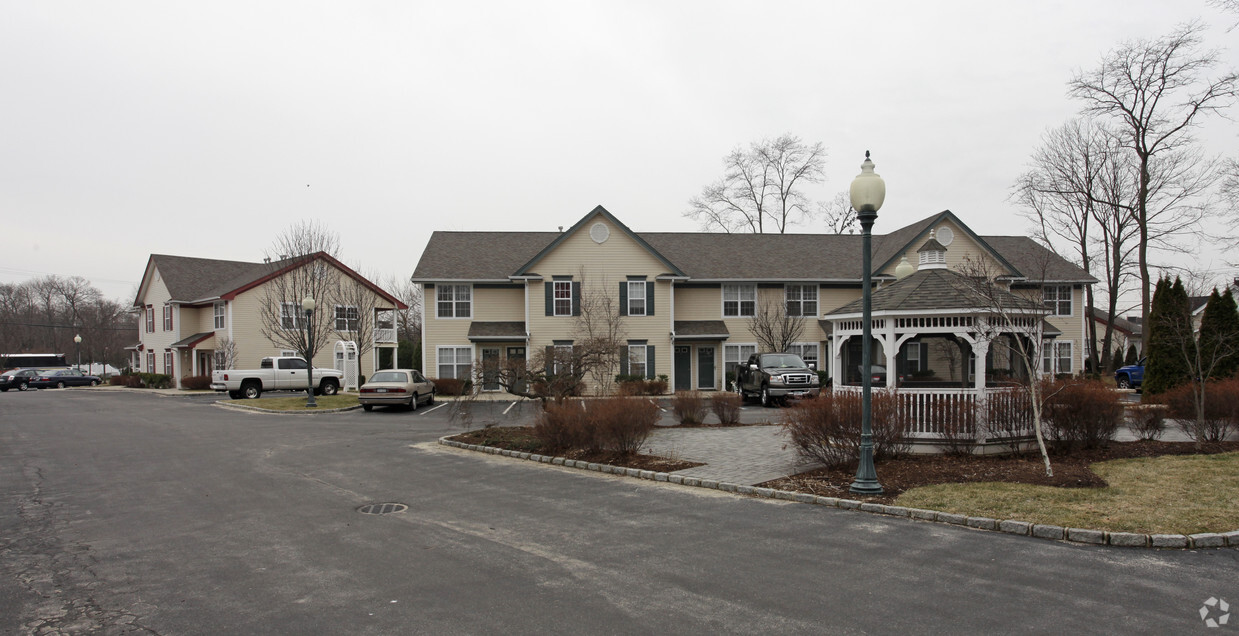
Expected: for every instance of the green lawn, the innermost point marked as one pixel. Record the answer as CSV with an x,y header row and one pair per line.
x,y
1183,494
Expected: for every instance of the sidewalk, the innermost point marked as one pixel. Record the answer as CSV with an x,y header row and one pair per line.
x,y
745,455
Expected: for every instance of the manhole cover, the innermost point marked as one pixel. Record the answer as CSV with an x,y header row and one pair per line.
x,y
382,508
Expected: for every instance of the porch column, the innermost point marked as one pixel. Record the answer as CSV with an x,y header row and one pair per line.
x,y
980,349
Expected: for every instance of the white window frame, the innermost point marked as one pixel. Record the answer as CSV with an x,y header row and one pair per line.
x,y
167,317
219,360
803,293
637,358
636,299
350,320
1052,357
150,320
288,316
168,361
912,355
739,295
220,322
799,349
561,298
455,362
454,301
1055,297
742,351
564,347
150,361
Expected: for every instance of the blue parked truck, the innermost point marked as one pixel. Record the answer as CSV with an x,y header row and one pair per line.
x,y
1130,376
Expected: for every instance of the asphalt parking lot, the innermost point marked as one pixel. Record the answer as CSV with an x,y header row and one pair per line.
x,y
132,513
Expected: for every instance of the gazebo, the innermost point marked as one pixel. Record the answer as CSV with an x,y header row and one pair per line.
x,y
989,326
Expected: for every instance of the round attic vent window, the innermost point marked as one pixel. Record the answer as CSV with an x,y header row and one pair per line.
x,y
945,235
600,233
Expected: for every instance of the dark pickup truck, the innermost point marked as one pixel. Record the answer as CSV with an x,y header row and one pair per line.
x,y
774,377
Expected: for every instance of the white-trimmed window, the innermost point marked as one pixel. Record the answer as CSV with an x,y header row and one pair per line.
x,y
167,317
220,360
455,362
806,351
912,356
219,315
454,301
1057,299
636,298
736,354
150,321
167,363
563,358
739,300
288,315
150,360
801,300
636,360
563,297
347,317
1056,357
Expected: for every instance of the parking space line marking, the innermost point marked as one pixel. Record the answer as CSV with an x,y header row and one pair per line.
x,y
505,411
440,405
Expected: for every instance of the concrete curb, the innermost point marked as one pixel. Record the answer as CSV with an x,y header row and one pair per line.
x,y
1008,526
256,409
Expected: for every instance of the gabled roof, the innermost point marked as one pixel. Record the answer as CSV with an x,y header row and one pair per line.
x,y
193,280
938,290
597,211
705,256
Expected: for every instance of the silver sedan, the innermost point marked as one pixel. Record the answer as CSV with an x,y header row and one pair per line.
x,y
396,387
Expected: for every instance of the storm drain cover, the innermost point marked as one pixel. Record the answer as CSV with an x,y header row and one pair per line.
x,y
382,508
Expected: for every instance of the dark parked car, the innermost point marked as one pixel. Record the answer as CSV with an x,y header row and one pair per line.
x,y
17,379
62,378
1130,376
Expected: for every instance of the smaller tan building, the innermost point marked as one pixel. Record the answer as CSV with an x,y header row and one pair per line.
x,y
200,314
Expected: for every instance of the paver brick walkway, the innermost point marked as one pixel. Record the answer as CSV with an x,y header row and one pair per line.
x,y
745,455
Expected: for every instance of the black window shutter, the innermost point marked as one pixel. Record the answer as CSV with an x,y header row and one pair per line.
x,y
649,298
623,360
550,360
623,299
924,356
576,298
550,299
649,362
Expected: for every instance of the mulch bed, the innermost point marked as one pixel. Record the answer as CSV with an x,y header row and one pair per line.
x,y
521,438
1071,470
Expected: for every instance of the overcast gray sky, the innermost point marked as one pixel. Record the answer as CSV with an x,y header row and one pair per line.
x,y
206,128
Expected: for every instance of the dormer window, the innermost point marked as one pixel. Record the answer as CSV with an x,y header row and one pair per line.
x,y
932,254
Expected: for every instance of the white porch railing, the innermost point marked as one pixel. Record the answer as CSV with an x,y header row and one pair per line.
x,y
384,336
930,412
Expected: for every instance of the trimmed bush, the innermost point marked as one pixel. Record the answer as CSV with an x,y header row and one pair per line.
x,y
196,382
449,386
828,428
562,426
726,407
1081,414
1221,411
621,425
1147,420
125,380
689,407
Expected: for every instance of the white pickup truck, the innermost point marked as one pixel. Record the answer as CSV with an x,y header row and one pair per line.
x,y
275,374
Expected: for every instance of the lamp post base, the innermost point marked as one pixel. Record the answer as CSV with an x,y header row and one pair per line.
x,y
866,482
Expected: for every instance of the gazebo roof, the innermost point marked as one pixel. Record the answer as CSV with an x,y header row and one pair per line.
x,y
939,290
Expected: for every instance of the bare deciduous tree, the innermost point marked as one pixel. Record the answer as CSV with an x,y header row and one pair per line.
x,y
226,352
1157,89
760,191
774,328
838,213
299,271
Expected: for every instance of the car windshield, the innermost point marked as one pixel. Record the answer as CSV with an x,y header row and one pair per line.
x,y
782,361
390,376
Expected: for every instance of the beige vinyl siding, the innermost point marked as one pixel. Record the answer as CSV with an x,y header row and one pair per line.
x,y
832,298
491,304
158,340
962,252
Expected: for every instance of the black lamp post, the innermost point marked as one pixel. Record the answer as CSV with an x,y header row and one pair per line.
x,y
868,191
307,304
77,344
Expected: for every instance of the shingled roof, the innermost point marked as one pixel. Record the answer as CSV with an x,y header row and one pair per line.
x,y
706,256
938,289
193,280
